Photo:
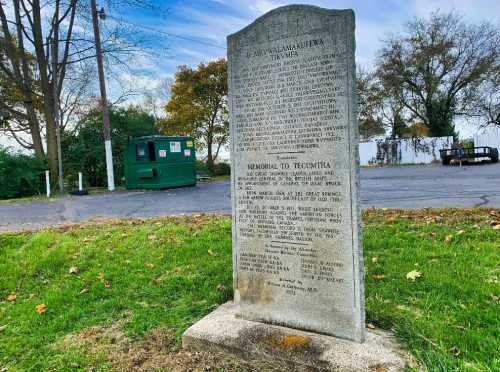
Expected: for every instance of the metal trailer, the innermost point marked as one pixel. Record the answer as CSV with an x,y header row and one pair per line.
x,y
469,154
158,162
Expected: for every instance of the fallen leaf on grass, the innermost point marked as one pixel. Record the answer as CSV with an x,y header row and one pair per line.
x,y
454,350
374,259
11,297
74,270
89,239
492,280
221,287
106,284
413,275
2,328
378,277
41,308
448,238
210,252
84,290
460,232
152,237
370,326
150,266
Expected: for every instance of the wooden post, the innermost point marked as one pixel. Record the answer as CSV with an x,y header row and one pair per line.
x,y
104,100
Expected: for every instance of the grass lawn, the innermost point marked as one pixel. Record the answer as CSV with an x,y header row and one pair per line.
x,y
119,295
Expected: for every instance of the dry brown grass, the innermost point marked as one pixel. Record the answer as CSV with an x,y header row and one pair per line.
x,y
156,351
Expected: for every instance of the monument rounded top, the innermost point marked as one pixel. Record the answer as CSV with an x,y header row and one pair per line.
x,y
286,9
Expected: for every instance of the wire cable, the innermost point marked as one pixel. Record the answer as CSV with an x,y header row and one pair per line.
x,y
166,33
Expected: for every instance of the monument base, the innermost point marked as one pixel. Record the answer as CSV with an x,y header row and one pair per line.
x,y
223,331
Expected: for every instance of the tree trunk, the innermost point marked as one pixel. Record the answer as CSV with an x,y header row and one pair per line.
x,y
210,160
51,145
36,138
46,86
37,145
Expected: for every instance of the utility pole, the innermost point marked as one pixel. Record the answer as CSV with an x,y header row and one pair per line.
x,y
104,100
55,66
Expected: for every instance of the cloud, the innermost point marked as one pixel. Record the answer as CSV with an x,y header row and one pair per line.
x,y
264,6
213,20
477,10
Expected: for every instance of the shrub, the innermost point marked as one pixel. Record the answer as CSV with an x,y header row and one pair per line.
x,y
222,169
201,168
83,149
20,175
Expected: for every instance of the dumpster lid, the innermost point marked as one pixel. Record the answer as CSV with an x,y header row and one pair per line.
x,y
157,137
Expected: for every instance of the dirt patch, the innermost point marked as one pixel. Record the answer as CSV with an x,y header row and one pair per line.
x,y
156,351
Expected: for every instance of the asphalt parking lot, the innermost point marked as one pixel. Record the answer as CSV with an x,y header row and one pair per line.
x,y
388,187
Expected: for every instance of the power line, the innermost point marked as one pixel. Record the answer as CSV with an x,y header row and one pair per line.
x,y
167,33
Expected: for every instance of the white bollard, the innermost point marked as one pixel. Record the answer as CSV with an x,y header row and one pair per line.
x,y
80,181
47,182
109,165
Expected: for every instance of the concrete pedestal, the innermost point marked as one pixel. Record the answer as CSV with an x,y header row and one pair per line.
x,y
223,331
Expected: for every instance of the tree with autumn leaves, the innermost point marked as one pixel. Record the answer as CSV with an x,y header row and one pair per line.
x,y
198,107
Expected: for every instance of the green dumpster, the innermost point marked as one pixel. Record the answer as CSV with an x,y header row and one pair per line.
x,y
157,162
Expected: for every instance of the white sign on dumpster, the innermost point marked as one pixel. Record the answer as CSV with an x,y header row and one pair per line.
x,y
175,147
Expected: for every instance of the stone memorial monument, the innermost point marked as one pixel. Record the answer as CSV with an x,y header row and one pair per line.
x,y
297,257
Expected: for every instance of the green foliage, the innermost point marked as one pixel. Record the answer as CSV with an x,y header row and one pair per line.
x,y
369,128
198,107
219,169
441,118
84,149
20,175
222,169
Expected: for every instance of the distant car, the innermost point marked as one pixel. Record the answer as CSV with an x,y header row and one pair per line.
x,y
469,154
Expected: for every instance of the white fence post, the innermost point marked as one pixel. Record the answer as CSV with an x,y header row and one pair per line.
x,y
47,182
80,181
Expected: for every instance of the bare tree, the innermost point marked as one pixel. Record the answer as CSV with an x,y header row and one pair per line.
x,y
369,104
435,64
486,100
28,29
